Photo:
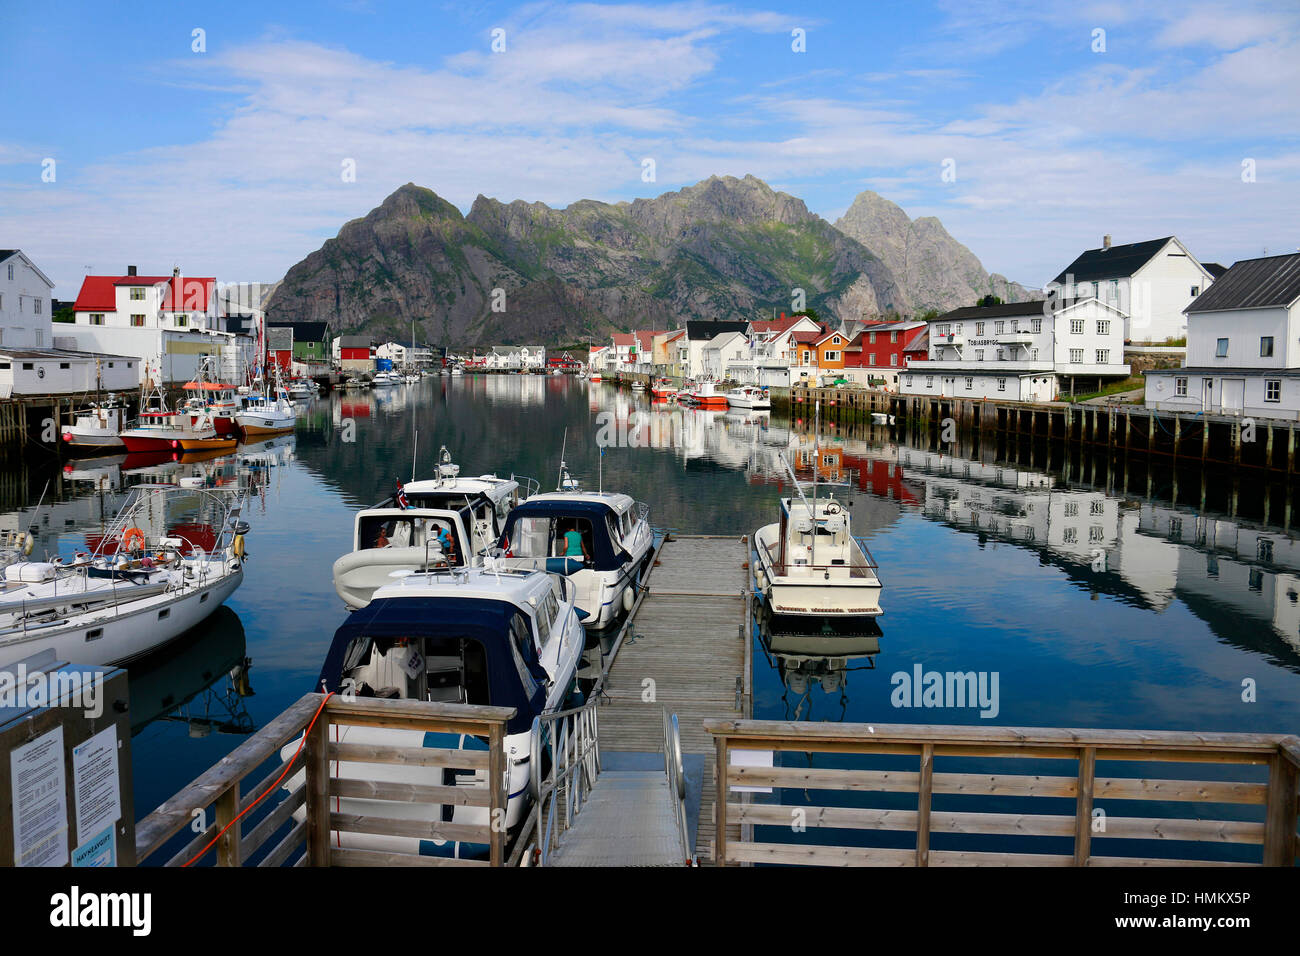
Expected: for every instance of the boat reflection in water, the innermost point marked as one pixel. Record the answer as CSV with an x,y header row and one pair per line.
x,y
815,659
200,679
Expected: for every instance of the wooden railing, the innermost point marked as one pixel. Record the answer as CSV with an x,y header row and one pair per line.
x,y
291,804
847,778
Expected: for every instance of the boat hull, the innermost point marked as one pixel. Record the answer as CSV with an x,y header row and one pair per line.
x,y
73,439
124,634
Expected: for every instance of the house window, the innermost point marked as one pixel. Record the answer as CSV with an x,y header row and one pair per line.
x,y
871,358
1037,325
871,338
40,338
1272,390
835,340
11,272
1180,386
999,327
137,321
1033,355
1002,385
182,321
36,306
137,293
979,328
970,382
805,357
1076,326
97,318
893,337
893,360
65,365
1001,355
929,381
1196,290
1221,351
907,380
830,356
1076,356
1103,356
1103,326
979,355
28,366
1266,346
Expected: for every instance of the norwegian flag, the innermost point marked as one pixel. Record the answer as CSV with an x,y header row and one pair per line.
x,y
401,497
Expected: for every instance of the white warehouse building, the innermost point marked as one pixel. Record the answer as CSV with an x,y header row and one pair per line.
x,y
1020,351
1243,346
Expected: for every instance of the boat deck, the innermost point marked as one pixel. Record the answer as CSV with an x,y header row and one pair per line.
x,y
689,638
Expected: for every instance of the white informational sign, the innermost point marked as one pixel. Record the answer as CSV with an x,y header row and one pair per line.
x,y
40,801
750,758
96,791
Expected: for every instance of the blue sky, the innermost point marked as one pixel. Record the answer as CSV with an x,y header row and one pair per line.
x,y
229,161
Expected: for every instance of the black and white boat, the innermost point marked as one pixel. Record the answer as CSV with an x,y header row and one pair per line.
x,y
467,636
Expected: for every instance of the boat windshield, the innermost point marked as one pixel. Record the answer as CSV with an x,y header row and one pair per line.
x,y
415,531
547,537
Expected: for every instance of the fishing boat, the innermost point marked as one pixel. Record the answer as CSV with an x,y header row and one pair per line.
x,y
749,396
594,377
615,540
663,390
183,429
638,385
809,564
168,560
301,388
471,636
265,414
219,402
704,393
98,427
446,521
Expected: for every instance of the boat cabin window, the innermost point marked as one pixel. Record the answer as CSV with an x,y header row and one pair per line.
x,y
547,608
445,669
537,537
383,531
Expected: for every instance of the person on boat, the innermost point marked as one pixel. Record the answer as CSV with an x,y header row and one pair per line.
x,y
381,540
445,541
574,547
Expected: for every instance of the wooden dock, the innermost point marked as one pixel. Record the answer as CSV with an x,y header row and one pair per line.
x,y
689,638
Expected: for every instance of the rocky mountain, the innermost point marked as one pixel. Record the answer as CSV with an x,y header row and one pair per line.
x,y
935,270
524,272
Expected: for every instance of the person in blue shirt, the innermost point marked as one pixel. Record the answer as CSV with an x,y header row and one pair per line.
x,y
574,548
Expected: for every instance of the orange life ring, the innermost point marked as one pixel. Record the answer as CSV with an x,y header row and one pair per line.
x,y
133,535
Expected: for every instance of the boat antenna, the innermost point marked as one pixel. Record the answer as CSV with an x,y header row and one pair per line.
x,y
817,461
564,442
415,449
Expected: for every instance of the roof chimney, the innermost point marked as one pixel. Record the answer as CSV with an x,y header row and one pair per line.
x,y
1105,242
130,270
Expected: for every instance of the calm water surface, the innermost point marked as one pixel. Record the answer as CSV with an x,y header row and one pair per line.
x,y
1096,605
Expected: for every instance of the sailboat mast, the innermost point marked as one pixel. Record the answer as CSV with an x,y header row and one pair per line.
x,y
817,461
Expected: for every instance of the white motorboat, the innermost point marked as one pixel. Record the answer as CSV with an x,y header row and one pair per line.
x,y
447,521
809,563
98,427
749,396
301,388
606,559
471,636
638,385
170,558
385,378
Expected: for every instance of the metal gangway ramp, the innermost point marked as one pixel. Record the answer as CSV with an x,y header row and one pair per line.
x,y
617,791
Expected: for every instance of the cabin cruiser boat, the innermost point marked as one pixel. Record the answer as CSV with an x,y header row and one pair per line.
x,y
479,636
301,388
97,427
638,385
809,564
457,370
447,521
615,535
266,414
385,378
749,396
170,558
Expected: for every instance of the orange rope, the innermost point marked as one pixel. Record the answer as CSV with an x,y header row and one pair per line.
x,y
269,789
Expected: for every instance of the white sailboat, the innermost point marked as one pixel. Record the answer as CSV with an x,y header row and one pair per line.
x,y
171,557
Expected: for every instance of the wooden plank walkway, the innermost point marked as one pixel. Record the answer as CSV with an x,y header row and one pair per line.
x,y
686,638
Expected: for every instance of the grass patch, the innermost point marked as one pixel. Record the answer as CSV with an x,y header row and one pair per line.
x,y
1123,385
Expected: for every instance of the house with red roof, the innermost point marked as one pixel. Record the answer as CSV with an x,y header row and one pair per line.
x,y
172,323
880,351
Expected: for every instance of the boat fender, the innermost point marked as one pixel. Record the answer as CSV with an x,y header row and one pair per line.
x,y
237,546
28,543
628,598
